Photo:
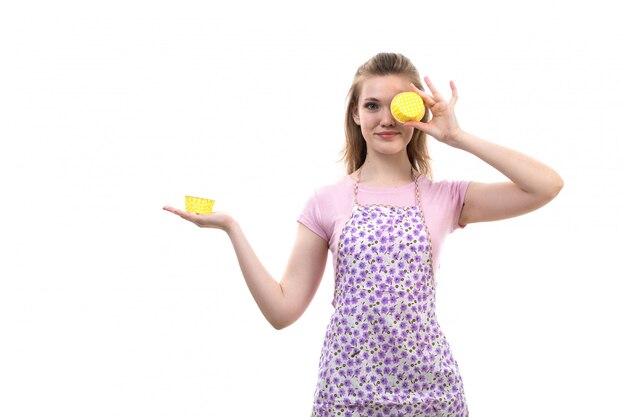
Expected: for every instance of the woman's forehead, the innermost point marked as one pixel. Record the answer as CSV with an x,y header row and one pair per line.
x,y
384,86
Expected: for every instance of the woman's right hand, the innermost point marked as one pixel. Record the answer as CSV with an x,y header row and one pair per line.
x,y
215,220
281,303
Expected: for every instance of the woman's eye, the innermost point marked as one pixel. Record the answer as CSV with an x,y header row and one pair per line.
x,y
371,106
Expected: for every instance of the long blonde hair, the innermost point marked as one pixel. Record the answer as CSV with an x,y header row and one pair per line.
x,y
355,149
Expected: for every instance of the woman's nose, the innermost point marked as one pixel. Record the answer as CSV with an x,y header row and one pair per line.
x,y
387,117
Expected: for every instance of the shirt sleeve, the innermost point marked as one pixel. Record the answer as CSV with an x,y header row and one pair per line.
x,y
457,190
312,219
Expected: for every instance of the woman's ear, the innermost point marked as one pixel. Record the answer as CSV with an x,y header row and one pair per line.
x,y
355,116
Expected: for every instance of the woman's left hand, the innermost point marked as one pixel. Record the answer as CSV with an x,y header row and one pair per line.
x,y
443,125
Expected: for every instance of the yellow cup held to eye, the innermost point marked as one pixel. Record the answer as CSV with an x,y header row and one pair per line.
x,y
198,205
407,106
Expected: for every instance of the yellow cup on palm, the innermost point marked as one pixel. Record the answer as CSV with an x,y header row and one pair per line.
x,y
198,205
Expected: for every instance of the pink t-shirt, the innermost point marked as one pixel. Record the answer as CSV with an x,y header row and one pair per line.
x,y
329,208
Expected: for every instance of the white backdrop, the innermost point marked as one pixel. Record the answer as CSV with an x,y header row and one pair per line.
x,y
110,306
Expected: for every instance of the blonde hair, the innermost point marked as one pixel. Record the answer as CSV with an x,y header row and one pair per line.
x,y
355,149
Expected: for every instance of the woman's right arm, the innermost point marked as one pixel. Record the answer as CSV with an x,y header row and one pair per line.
x,y
282,303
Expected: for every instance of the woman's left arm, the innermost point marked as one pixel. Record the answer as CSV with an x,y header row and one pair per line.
x,y
532,184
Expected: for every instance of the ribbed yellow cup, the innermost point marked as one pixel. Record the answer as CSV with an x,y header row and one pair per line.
x,y
407,106
198,205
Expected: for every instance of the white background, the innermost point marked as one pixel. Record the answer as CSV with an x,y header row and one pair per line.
x,y
110,306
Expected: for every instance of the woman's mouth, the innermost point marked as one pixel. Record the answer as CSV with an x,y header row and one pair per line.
x,y
387,135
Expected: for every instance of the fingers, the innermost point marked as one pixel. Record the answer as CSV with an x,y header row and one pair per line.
x,y
436,96
173,210
180,213
418,125
428,100
455,94
433,90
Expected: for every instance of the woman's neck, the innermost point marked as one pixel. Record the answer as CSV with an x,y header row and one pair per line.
x,y
386,172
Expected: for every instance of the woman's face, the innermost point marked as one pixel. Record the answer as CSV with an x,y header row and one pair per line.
x,y
383,134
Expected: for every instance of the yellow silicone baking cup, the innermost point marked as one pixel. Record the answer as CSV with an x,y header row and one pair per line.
x,y
198,205
407,106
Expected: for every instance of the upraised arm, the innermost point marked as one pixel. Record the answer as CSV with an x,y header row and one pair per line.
x,y
533,184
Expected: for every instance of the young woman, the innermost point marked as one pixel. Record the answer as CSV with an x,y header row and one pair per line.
x,y
384,353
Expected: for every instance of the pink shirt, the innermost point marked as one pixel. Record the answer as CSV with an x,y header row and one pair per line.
x,y
329,208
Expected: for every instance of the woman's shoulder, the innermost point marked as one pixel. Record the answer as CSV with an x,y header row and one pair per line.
x,y
441,185
340,186
443,190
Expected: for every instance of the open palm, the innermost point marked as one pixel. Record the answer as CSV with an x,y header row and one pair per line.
x,y
215,220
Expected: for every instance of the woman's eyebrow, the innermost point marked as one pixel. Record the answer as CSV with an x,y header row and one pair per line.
x,y
371,99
